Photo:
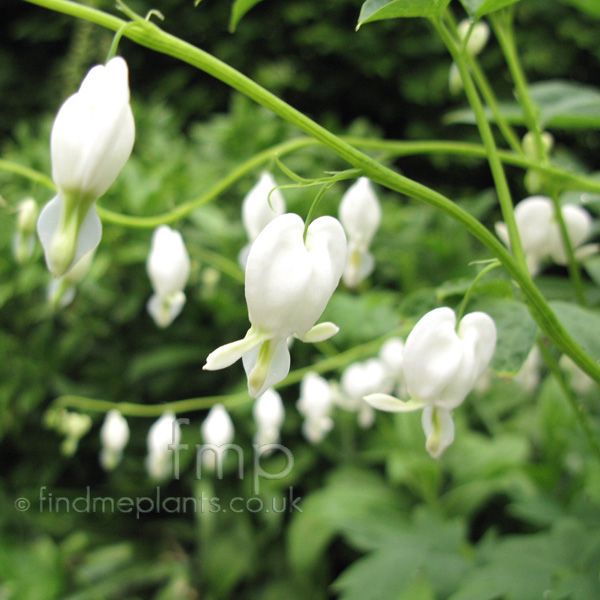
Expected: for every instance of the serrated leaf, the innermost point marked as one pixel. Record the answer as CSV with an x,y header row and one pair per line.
x,y
479,8
379,10
426,549
516,333
238,10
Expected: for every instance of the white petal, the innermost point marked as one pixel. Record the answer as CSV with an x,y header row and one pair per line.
x,y
479,330
388,403
432,355
164,310
266,373
217,428
321,332
360,213
534,218
226,355
268,411
439,429
578,223
257,211
168,263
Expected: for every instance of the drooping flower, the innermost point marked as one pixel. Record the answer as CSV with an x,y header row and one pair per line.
x,y
168,267
91,140
315,405
359,380
259,209
289,281
114,436
442,363
360,215
164,432
23,242
540,232
217,433
268,413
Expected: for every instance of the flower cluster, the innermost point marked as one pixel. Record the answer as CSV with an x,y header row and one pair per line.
x,y
540,232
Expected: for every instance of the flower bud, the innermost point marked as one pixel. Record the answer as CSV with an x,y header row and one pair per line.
x,y
164,432
530,145
114,436
479,35
289,281
268,413
91,140
441,366
217,433
315,405
359,380
24,237
360,215
168,267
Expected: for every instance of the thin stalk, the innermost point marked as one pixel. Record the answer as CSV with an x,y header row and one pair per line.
x,y
487,92
132,409
487,137
503,28
150,36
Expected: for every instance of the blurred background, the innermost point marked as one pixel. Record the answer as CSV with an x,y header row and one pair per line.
x,y
389,80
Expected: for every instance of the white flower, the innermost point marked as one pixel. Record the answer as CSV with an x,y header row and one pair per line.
x,y
359,380
164,432
360,214
441,366
114,436
258,210
268,413
168,267
315,405
91,140
217,432
540,232
289,281
23,242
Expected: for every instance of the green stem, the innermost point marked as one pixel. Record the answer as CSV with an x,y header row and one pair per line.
x,y
505,33
563,179
487,137
487,92
132,409
150,36
471,290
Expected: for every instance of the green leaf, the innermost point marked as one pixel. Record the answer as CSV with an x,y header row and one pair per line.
x,y
562,105
238,10
379,10
582,323
479,8
516,333
350,497
428,549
